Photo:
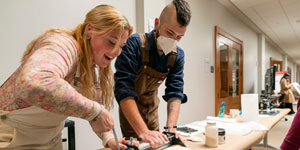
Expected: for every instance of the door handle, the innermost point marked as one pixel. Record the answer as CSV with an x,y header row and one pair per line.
x,y
230,90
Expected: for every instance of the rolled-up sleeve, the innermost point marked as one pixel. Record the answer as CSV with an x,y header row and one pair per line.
x,y
127,65
174,83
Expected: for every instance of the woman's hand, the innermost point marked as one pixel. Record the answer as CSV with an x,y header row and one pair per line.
x,y
113,145
104,123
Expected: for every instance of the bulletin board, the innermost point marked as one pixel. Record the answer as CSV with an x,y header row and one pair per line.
x,y
278,76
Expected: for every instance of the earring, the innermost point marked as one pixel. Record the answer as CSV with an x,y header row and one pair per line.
x,y
88,38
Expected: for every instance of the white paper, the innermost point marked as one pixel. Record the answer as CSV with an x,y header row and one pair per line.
x,y
239,128
278,76
296,88
194,139
221,119
250,107
193,126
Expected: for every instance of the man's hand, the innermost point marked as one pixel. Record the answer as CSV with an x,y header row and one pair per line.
x,y
131,112
154,138
176,134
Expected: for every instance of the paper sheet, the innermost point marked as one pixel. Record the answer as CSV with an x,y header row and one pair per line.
x,y
232,120
194,139
240,128
196,127
296,88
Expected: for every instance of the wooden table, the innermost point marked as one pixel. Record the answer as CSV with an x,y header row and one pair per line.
x,y
240,142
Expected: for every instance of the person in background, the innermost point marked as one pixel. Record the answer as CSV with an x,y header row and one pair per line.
x,y
291,141
287,97
64,73
146,61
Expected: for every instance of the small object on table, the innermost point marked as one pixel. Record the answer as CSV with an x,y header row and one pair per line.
x,y
171,136
211,134
186,129
131,146
221,136
222,110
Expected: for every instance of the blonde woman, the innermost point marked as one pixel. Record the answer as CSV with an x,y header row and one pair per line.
x,y
64,73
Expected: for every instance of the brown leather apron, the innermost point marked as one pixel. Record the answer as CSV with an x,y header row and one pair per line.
x,y
147,84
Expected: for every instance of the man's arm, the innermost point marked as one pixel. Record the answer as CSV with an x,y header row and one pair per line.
x,y
173,111
174,92
173,107
174,82
130,110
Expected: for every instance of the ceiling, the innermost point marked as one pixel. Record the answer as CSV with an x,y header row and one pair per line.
x,y
279,20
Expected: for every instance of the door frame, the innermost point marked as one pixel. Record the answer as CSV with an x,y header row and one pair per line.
x,y
219,31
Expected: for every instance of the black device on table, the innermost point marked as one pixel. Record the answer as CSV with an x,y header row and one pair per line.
x,y
170,135
131,146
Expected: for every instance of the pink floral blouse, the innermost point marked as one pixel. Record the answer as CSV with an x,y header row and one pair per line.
x,y
44,80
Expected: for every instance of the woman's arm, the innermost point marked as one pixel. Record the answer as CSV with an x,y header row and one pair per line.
x,y
42,79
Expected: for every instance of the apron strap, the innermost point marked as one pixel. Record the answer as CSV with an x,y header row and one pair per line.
x,y
143,40
171,60
145,53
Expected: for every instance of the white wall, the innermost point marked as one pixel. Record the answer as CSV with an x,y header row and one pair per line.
x,y
273,52
291,65
261,61
22,21
198,44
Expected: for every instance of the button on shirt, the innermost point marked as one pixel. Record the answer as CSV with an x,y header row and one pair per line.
x,y
130,61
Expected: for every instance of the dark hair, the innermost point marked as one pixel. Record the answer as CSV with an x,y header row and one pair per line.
x,y
183,12
286,75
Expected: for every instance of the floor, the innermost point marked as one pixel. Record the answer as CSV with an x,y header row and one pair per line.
x,y
278,132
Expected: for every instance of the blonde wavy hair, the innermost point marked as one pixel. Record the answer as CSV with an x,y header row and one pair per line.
x,y
103,18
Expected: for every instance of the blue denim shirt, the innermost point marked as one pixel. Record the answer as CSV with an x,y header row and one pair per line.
x,y
130,61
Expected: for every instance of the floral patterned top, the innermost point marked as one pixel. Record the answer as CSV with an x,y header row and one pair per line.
x,y
44,79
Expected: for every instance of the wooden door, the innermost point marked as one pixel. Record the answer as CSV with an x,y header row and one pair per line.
x,y
276,63
228,71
